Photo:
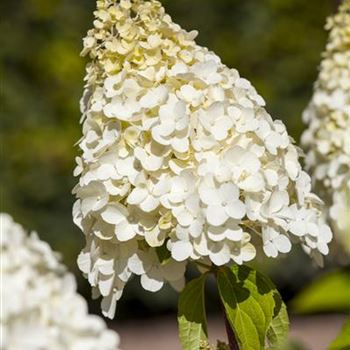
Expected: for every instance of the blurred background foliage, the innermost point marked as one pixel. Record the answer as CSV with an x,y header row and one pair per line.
x,y
275,44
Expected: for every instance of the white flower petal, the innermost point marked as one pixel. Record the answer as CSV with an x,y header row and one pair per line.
x,y
298,228
151,284
114,214
248,252
220,256
108,305
184,218
270,250
84,262
209,195
181,251
136,265
236,210
283,244
105,285
216,215
229,192
138,195
124,231
196,228
149,204
154,97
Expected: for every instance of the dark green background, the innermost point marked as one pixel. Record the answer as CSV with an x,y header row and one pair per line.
x,y
276,44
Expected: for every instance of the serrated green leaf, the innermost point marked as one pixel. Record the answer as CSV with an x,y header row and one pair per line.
x,y
328,293
253,307
191,314
342,342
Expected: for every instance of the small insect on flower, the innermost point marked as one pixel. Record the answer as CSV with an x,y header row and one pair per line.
x,y
41,308
327,137
180,161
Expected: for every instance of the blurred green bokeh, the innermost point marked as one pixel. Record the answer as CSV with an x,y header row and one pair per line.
x,y
275,44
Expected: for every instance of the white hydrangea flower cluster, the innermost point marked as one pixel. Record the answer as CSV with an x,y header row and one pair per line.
x,y
40,308
327,138
180,160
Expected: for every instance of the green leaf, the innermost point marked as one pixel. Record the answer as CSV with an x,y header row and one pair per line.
x,y
191,314
253,307
278,331
328,293
342,342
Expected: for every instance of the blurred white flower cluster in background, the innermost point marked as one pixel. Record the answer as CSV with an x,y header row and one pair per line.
x,y
180,160
327,138
40,307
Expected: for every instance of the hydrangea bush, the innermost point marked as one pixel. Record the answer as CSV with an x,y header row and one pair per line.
x,y
180,161
327,138
41,309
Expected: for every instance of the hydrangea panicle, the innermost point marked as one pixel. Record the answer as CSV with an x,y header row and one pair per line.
x,y
180,160
41,309
327,138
